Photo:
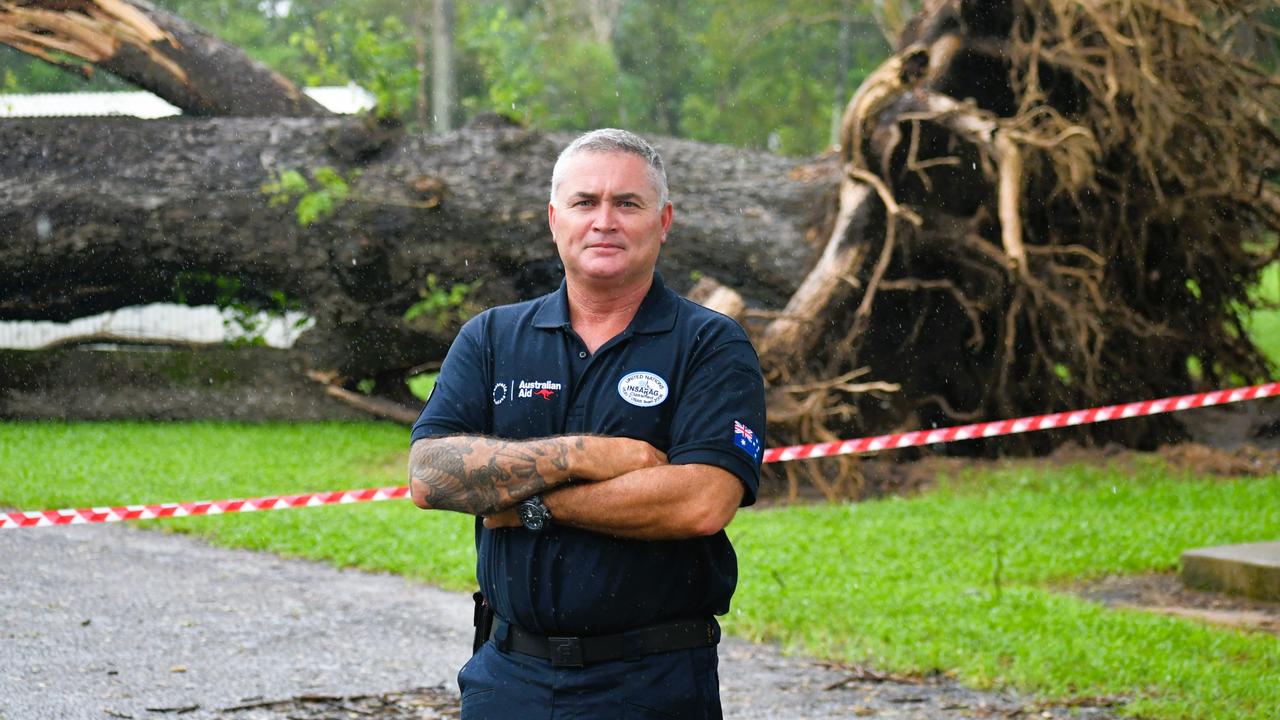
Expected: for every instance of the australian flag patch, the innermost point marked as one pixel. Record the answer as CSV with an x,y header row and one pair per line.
x,y
746,439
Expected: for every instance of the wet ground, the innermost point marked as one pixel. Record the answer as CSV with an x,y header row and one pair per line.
x,y
108,621
1164,593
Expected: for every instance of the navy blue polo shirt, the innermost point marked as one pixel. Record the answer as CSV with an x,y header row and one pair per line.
x,y
681,377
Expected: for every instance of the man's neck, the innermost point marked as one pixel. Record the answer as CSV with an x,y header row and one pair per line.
x,y
597,315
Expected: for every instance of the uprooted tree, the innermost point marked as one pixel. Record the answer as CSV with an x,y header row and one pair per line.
x,y
1035,206
1045,205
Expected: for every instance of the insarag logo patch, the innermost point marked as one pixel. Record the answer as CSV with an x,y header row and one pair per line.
x,y
746,439
642,389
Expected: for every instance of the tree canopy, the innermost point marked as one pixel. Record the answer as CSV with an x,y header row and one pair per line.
x,y
754,73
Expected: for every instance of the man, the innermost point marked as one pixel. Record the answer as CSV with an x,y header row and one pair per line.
x,y
603,435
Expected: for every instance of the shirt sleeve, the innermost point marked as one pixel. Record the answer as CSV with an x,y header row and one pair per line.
x,y
720,418
458,401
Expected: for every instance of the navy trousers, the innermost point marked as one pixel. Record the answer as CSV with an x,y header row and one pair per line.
x,y
680,685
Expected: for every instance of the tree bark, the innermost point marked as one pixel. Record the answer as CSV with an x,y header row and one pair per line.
x,y
106,213
421,103
604,17
155,50
442,64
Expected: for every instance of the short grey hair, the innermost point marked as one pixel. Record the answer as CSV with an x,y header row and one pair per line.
x,y
613,140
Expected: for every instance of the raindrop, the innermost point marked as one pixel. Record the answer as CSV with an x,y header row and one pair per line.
x,y
353,261
44,227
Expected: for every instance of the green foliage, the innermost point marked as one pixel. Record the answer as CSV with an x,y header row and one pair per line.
x,y
24,74
261,29
767,73
247,314
1262,321
1195,368
444,307
421,385
377,53
317,199
1063,373
759,73
660,59
1193,287
503,51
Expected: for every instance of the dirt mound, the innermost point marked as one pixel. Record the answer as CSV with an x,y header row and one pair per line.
x,y
1164,593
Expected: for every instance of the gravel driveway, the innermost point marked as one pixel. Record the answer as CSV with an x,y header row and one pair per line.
x,y
107,621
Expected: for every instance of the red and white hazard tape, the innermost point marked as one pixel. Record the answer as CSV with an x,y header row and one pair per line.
x,y
45,518
1020,425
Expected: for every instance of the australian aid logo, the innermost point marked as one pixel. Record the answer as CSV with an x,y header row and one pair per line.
x,y
538,388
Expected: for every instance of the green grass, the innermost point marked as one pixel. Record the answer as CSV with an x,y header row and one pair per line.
x,y
958,579
54,465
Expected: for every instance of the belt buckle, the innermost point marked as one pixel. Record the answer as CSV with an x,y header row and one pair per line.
x,y
566,651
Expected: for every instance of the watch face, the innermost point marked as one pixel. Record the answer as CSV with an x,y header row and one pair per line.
x,y
531,516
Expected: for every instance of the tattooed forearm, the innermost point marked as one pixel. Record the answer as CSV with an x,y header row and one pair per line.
x,y
482,476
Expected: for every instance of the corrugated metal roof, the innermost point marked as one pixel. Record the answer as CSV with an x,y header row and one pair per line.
x,y
340,99
344,99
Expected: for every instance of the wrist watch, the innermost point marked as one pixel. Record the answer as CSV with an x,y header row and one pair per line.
x,y
533,514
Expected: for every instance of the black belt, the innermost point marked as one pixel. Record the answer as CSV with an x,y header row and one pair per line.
x,y
580,651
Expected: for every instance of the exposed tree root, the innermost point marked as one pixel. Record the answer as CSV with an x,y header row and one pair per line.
x,y
1046,205
375,406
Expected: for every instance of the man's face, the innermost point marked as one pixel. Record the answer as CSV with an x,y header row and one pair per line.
x,y
606,220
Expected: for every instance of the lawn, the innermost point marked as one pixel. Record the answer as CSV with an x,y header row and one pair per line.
x,y
958,579
45,465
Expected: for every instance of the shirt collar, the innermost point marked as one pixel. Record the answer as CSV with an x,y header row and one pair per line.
x,y
657,313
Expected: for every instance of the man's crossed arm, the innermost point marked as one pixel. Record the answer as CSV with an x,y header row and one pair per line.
x,y
624,487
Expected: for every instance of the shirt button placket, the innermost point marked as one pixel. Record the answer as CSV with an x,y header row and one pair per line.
x,y
575,420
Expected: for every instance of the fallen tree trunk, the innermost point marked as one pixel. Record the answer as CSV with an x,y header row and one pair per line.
x,y
244,384
1025,216
155,50
96,215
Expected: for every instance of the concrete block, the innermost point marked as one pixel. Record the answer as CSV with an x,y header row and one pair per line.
x,y
1252,569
